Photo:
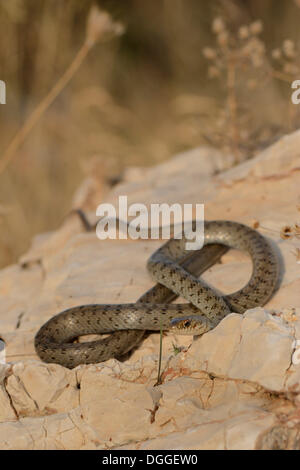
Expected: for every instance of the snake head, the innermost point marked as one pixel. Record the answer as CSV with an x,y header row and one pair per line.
x,y
191,325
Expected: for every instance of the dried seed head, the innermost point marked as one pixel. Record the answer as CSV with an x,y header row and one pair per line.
x,y
100,24
218,25
276,54
209,53
288,48
244,32
253,47
223,38
256,27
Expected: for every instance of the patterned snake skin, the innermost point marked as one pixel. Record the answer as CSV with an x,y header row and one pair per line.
x,y
176,270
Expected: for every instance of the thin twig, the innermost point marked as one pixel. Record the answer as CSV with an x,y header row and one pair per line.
x,y
281,76
29,124
100,25
232,105
160,357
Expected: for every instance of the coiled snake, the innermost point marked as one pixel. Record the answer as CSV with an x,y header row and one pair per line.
x,y
175,270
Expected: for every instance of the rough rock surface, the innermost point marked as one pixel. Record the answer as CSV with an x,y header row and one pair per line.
x,y
237,387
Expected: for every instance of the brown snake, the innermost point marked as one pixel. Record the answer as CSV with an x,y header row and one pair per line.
x,y
175,270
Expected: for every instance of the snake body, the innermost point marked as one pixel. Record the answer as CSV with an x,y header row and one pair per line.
x,y
175,270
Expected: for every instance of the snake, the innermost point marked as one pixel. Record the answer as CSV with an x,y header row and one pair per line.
x,y
176,272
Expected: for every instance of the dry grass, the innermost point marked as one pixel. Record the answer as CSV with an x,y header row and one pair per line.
x,y
186,72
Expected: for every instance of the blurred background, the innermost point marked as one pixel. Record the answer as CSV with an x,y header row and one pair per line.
x,y
184,73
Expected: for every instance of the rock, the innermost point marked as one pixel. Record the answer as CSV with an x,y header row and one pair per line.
x,y
39,389
236,387
267,364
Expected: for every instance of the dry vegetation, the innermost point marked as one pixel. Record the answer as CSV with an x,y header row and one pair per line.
x,y
186,72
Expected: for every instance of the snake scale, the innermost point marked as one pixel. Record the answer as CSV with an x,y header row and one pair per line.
x,y
176,272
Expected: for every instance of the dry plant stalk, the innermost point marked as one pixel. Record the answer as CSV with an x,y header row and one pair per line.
x,y
100,27
286,68
239,60
232,54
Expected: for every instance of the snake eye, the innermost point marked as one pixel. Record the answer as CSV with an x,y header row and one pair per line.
x,y
187,323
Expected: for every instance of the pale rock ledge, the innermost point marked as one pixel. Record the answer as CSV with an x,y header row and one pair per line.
x,y
237,387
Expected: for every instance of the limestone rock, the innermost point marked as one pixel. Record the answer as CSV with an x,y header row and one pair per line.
x,y
236,387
